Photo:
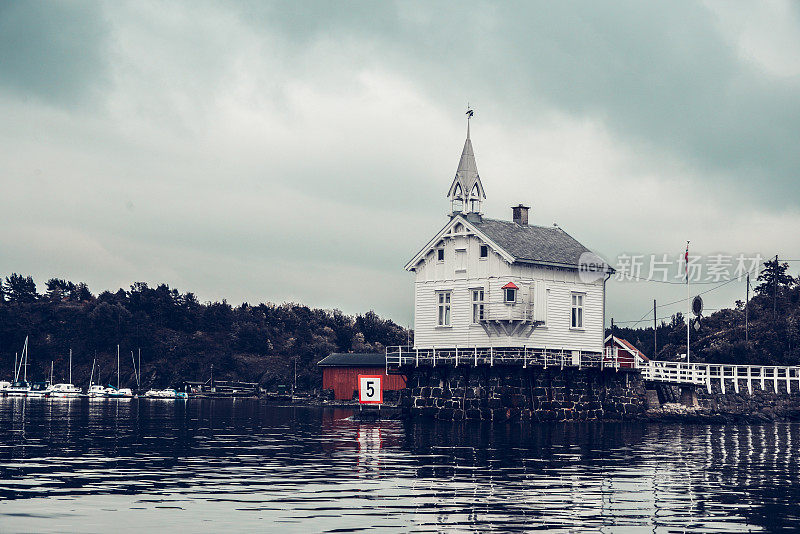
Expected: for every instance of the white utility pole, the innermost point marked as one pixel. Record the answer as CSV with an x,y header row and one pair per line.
x,y
688,303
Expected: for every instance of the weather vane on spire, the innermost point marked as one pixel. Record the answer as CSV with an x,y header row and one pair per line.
x,y
470,112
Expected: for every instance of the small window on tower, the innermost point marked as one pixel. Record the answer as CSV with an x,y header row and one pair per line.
x,y
484,251
440,254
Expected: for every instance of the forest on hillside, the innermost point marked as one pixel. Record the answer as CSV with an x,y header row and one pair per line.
x,y
770,337
179,337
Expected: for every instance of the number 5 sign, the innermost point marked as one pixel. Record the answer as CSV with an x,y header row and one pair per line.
x,y
369,389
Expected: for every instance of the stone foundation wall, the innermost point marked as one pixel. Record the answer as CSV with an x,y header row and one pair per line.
x,y
502,393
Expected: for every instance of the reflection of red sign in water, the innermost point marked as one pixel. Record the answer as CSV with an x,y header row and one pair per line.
x,y
369,389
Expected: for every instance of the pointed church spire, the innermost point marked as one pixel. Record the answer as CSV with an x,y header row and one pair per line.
x,y
466,193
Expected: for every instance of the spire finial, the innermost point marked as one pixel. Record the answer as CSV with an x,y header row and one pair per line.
x,y
466,192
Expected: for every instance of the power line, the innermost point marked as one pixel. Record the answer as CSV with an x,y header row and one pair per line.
x,y
641,279
674,302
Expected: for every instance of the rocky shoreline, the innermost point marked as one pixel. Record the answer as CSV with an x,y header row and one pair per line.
x,y
676,412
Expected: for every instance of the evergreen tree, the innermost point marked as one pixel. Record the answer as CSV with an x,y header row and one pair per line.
x,y
20,288
773,277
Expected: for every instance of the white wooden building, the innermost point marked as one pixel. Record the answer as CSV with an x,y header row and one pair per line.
x,y
487,283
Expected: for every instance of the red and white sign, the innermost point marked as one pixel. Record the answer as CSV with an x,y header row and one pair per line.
x,y
369,389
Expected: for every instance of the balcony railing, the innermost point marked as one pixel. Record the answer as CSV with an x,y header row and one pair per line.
x,y
500,311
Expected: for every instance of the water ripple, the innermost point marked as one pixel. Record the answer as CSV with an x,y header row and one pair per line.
x,y
209,465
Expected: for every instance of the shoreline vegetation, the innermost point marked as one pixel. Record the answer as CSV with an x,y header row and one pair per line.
x,y
763,331
180,338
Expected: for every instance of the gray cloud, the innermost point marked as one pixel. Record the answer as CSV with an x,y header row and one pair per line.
x,y
288,151
53,51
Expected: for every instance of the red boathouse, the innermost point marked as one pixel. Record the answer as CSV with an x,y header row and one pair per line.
x,y
340,373
623,351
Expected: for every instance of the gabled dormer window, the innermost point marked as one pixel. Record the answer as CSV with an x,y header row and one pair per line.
x,y
510,293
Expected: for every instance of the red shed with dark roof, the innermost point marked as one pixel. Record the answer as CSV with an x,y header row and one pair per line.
x,y
340,373
626,352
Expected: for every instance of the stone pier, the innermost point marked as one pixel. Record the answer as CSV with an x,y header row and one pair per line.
x,y
746,404
503,393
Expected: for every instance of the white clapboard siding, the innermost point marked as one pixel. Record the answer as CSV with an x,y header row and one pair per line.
x,y
551,289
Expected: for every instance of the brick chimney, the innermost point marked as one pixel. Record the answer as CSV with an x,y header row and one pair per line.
x,y
519,214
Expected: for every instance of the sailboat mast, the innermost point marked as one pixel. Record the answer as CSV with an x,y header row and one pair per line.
x,y
25,359
91,376
16,371
118,366
51,372
70,366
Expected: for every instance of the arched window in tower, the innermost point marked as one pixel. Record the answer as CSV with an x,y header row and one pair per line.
x,y
475,199
458,198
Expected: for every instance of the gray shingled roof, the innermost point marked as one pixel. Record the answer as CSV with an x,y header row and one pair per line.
x,y
533,244
363,359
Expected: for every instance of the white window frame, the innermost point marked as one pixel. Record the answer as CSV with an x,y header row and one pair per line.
x,y
577,304
440,252
461,260
478,304
444,313
480,249
505,295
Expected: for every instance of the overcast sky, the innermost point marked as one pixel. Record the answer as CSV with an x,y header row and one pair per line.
x,y
302,152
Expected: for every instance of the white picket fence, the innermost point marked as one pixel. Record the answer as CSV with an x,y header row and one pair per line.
x,y
781,379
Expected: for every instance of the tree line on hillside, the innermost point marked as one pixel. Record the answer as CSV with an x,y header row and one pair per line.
x,y
180,338
772,336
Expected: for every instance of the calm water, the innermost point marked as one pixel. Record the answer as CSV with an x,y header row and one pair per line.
x,y
148,465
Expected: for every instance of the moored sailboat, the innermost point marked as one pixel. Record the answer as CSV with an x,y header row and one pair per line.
x,y
20,388
68,390
95,391
117,392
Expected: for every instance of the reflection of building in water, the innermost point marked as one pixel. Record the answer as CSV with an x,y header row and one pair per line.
x,y
660,478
